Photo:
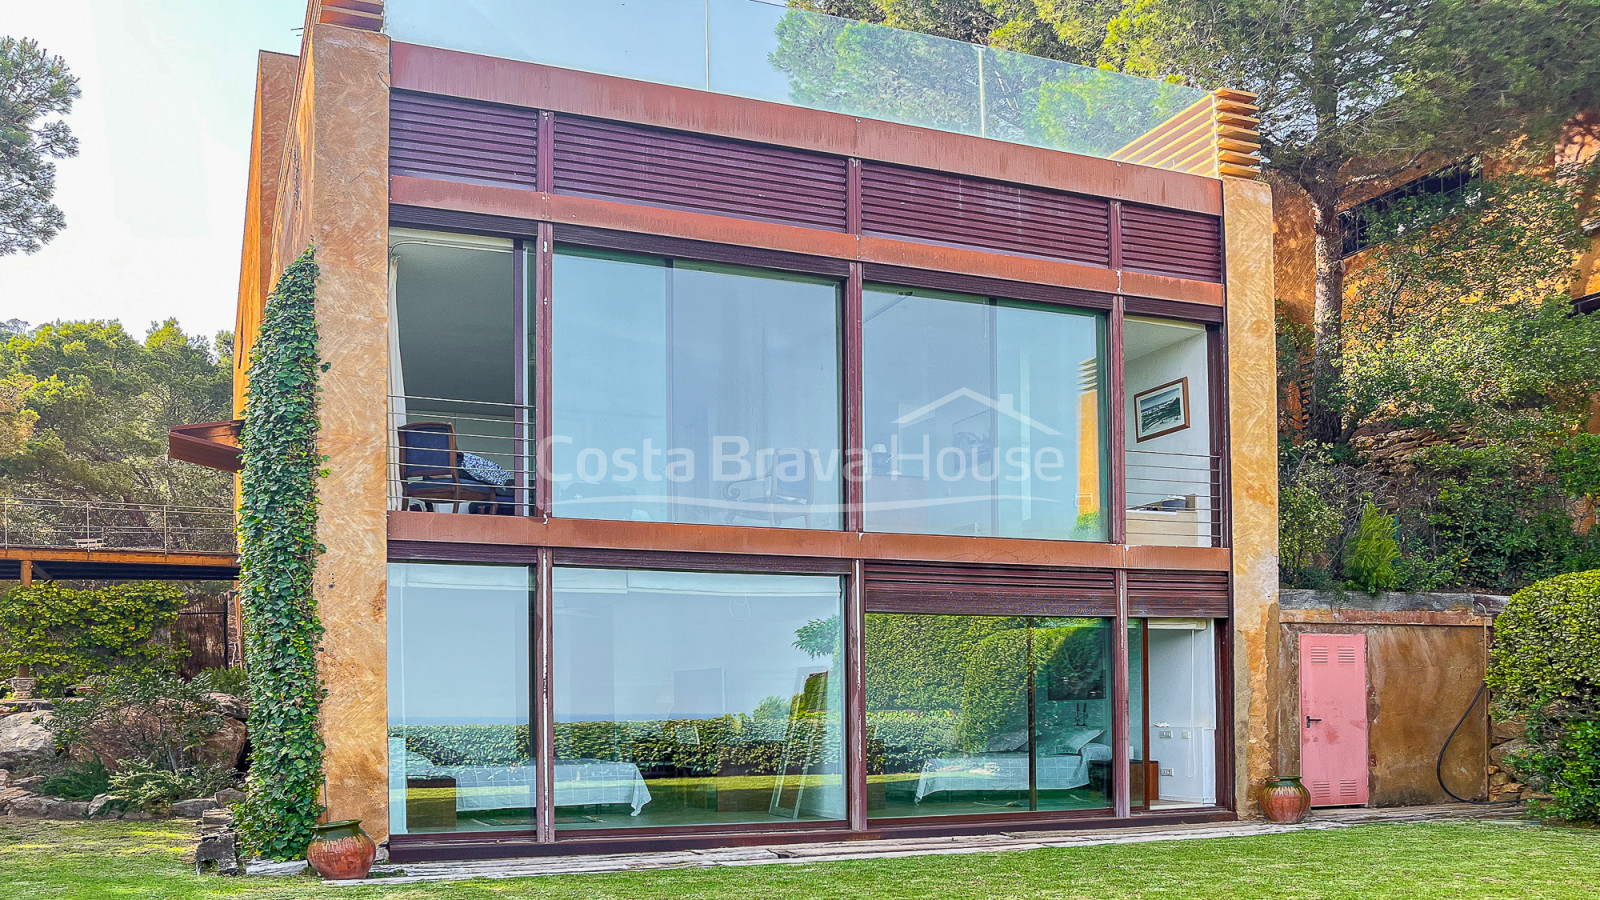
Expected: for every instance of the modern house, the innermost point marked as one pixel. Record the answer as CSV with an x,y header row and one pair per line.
x,y
746,425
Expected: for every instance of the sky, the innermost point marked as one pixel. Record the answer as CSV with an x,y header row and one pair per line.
x,y
154,201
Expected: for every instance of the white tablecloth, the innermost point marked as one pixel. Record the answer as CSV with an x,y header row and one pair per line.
x,y
579,782
1007,772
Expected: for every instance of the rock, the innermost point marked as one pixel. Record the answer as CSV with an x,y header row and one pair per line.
x,y
192,809
98,805
217,817
24,737
230,706
1499,778
218,853
229,796
5,776
11,795
29,783
1497,754
1507,731
226,747
70,809
34,806
137,815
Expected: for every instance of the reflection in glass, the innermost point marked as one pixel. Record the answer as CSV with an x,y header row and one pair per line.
x,y
696,698
981,714
989,416
460,750
1174,676
695,393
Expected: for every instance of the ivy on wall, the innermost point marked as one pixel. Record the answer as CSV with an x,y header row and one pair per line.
x,y
64,635
278,552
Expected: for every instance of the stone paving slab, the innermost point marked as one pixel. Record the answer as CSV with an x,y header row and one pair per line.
x,y
780,854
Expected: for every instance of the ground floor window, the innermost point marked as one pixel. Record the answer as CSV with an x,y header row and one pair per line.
x,y
1172,697
460,747
971,715
718,699
693,698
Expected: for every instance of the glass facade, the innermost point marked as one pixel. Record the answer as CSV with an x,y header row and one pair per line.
x,y
695,393
978,715
461,755
1174,478
690,698
982,417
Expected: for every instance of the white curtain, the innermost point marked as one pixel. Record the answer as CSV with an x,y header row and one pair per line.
x,y
397,389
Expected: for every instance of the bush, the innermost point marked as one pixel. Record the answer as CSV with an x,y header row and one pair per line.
x,y
79,781
148,717
1546,668
232,681
65,636
1369,562
145,785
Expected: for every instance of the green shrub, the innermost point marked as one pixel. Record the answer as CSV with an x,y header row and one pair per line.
x,y
149,717
224,681
143,785
65,635
1545,668
80,781
1369,562
1307,526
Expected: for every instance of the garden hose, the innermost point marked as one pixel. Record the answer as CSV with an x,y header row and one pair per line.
x,y
1438,768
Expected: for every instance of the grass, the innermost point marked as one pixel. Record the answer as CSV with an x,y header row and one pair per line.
x,y
119,860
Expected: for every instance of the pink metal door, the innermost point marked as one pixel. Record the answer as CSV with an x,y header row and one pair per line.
x,y
1333,718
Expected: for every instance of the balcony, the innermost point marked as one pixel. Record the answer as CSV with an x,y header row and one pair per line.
x,y
767,51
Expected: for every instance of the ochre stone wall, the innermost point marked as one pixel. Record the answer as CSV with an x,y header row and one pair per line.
x,y
1253,501
1421,679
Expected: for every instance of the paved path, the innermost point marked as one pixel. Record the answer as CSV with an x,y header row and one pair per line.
x,y
987,843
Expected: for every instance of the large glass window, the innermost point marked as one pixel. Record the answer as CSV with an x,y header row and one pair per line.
x,y
452,375
1173,698
982,417
460,750
971,715
1173,478
688,698
695,393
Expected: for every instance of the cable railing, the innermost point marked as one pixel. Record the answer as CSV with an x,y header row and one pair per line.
x,y
460,456
1174,499
40,523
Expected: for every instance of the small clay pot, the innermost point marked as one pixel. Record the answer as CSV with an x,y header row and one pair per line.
x,y
1285,800
341,851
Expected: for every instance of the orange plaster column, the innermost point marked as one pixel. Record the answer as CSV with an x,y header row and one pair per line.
x,y
1253,433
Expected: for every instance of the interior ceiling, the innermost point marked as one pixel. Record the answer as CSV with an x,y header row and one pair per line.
x,y
1143,336
454,310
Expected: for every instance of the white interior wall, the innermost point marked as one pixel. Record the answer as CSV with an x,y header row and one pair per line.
x,y
1172,464
1183,717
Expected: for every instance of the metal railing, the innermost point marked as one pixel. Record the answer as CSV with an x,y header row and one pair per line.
x,y
1174,499
489,472
109,525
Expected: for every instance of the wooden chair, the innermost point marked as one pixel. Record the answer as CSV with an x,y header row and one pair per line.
x,y
430,467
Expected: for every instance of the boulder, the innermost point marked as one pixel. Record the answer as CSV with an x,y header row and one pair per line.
x,y
1506,731
192,809
229,796
231,706
5,776
29,783
34,806
10,795
24,737
218,853
1497,754
97,805
226,747
70,809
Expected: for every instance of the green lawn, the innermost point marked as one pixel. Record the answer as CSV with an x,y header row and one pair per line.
x,y
120,860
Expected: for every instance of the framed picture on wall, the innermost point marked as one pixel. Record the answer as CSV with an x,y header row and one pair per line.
x,y
1161,410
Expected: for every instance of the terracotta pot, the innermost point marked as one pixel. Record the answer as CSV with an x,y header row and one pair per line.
x,y
1285,800
341,850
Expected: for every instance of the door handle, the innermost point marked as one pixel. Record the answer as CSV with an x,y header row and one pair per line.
x,y
1309,720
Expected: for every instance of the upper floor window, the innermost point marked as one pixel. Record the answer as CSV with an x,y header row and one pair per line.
x,y
686,392
1449,182
982,417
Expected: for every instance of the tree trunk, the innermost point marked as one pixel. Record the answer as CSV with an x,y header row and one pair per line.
x,y
1323,419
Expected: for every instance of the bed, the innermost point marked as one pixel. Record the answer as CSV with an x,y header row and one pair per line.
x,y
579,782
1008,771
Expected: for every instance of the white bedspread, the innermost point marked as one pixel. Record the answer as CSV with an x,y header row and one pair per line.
x,y
1007,772
579,782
